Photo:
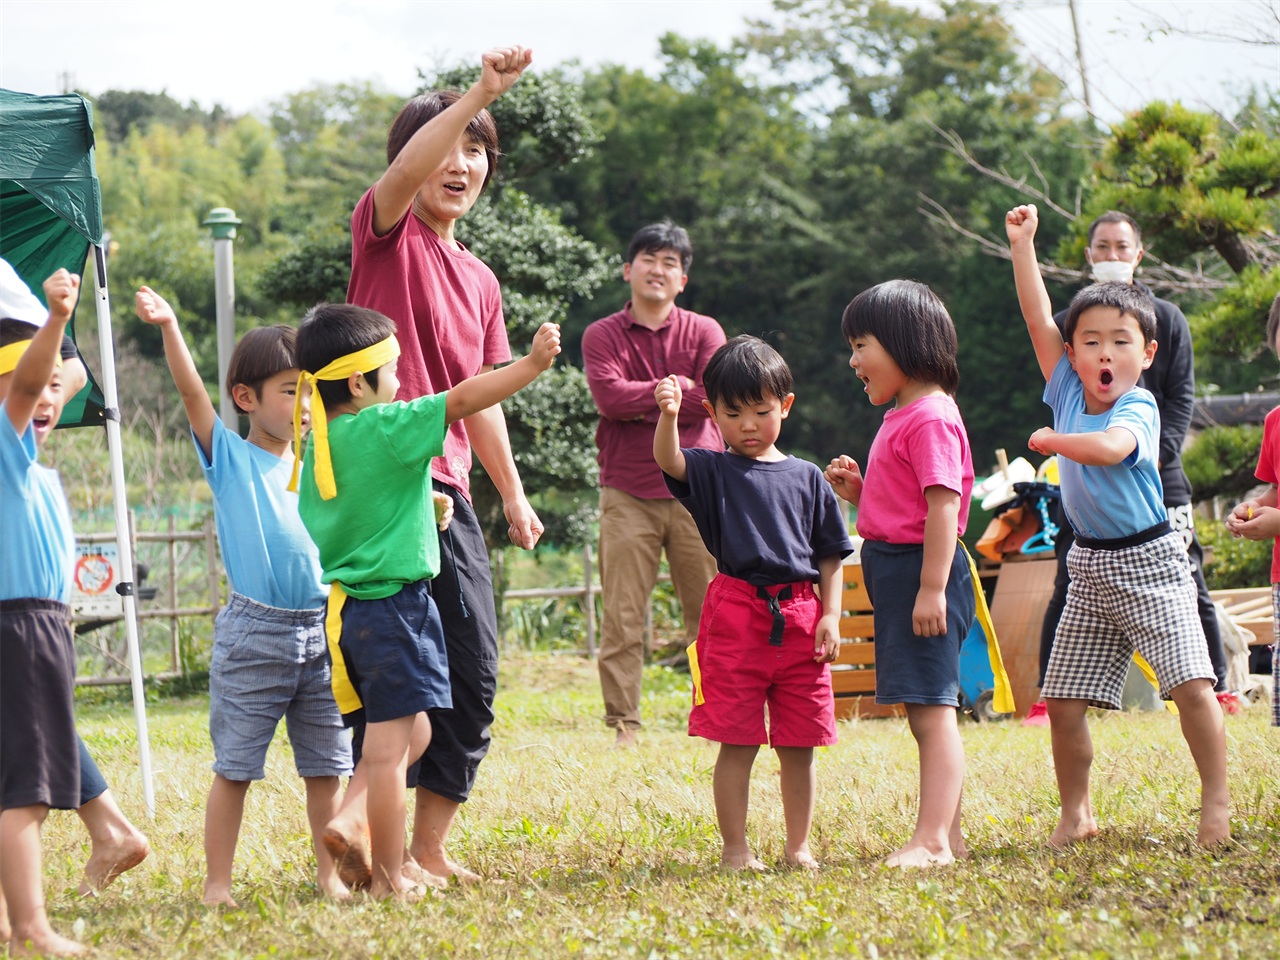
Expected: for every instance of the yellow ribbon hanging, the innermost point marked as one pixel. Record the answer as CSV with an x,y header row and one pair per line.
x,y
344,691
695,672
1150,674
11,354
362,361
1002,700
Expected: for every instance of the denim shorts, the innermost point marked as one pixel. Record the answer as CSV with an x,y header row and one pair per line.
x,y
267,664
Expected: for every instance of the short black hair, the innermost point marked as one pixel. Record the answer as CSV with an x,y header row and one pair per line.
x,y
15,331
912,325
1115,216
1128,298
1273,323
662,236
422,109
744,371
333,330
260,355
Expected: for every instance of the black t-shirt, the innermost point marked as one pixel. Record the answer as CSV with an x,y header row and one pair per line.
x,y
1171,379
765,523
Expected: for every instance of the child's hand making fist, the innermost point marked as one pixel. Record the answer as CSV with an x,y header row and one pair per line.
x,y
1020,223
845,478
669,396
444,509
546,345
153,308
60,292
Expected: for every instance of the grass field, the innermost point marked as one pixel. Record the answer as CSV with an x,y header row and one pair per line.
x,y
590,852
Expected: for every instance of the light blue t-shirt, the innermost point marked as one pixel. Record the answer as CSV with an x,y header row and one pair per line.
x,y
37,544
267,551
1107,503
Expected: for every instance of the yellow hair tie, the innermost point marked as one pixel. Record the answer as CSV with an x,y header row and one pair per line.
x,y
10,355
362,361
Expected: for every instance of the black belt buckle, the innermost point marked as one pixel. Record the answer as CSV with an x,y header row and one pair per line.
x,y
779,620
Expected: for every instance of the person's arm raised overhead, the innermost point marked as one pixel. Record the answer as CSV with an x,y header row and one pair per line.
x,y
489,389
35,367
666,439
427,149
153,308
1020,226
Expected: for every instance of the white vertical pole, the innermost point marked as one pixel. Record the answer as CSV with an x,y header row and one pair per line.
x,y
222,222
115,451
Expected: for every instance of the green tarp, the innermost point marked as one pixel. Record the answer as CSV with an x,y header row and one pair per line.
x,y
50,205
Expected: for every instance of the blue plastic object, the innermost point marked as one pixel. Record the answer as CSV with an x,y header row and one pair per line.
x,y
1044,539
977,682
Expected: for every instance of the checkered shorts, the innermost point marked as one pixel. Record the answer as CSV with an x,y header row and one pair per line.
x,y
1275,655
1137,597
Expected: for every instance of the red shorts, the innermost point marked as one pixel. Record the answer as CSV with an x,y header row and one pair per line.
x,y
736,671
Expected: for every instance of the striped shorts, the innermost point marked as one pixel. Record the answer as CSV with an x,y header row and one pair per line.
x,y
1139,597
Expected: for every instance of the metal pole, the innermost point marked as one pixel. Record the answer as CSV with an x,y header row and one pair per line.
x,y
174,658
1084,77
222,223
589,601
124,546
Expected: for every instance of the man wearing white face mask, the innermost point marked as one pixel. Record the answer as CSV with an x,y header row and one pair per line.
x,y
1114,251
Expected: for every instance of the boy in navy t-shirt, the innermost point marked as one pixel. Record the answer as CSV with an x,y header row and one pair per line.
x,y
1131,586
775,528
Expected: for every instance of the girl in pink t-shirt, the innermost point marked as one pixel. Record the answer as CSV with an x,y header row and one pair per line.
x,y
912,507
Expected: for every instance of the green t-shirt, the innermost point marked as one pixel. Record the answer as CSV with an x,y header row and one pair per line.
x,y
379,532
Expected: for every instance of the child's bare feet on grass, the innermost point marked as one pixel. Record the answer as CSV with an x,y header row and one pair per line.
x,y
403,889
1215,825
443,867
414,872
918,855
1072,829
46,945
803,860
350,857
218,897
626,739
742,861
333,888
109,860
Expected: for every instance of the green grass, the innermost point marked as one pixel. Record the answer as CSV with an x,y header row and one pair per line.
x,y
594,853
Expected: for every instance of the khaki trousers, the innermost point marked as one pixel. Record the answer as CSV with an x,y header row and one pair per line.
x,y
633,534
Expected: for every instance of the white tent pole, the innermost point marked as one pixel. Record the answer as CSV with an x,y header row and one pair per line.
x,y
115,450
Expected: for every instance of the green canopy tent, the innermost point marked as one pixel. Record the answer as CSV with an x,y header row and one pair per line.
x,y
51,217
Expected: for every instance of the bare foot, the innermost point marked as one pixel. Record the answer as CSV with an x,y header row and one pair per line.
x,y
351,859
1215,825
333,888
109,860
803,859
1068,832
217,897
918,856
47,944
742,861
626,739
404,890
414,873
960,851
443,867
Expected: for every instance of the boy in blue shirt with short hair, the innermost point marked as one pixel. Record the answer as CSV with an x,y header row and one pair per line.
x,y
1131,585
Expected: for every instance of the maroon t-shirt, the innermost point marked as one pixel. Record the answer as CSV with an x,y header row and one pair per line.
x,y
624,361
447,306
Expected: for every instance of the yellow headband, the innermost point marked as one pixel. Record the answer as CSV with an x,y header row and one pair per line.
x,y
10,355
362,361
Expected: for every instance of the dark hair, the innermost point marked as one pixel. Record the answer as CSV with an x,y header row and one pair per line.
x,y
333,330
1129,299
260,355
662,236
15,331
912,325
422,109
1273,322
1115,216
744,371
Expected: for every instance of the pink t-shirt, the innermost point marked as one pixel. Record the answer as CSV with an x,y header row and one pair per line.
x,y
920,445
447,306
1269,472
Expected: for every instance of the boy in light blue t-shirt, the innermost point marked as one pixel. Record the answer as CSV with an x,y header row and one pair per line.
x,y
1131,585
270,657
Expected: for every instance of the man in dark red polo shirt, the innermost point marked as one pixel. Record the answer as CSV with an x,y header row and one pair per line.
x,y
625,356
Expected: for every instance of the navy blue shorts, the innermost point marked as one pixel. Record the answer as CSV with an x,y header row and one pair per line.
x,y
395,655
911,669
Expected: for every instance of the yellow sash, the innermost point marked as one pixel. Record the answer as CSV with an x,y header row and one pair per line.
x,y
692,651
343,690
1003,696
362,361
1150,674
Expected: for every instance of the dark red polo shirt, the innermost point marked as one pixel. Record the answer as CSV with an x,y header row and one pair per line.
x,y
624,361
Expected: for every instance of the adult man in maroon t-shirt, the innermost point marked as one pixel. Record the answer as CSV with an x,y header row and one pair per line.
x,y
625,356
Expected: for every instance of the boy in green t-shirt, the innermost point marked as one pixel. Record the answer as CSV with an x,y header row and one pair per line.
x,y
367,502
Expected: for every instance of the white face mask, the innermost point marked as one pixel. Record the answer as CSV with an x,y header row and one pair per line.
x,y
1113,271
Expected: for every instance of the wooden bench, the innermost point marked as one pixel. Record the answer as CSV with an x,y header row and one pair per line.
x,y
1250,607
853,674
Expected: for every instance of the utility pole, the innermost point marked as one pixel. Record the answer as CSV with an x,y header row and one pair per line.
x,y
222,222
1084,77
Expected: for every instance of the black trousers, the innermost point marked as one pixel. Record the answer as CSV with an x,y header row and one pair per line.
x,y
463,593
1208,616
